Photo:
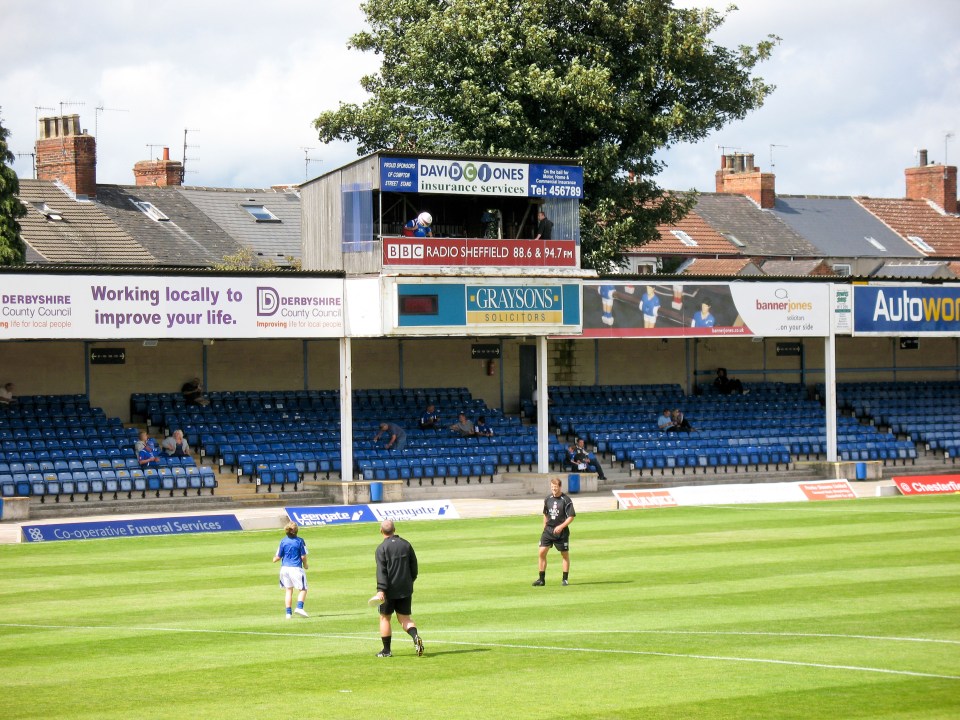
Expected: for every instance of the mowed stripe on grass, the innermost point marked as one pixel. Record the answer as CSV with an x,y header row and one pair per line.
x,y
784,611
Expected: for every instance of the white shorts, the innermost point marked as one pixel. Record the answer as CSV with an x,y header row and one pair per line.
x,y
293,577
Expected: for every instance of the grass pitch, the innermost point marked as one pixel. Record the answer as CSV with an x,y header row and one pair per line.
x,y
827,610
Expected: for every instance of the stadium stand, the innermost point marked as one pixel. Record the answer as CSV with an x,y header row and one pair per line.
x,y
767,429
275,439
58,448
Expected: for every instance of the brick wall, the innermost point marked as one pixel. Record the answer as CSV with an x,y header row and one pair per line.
x,y
66,153
933,182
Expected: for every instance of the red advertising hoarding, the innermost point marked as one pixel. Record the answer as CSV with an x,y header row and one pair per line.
x,y
928,484
478,252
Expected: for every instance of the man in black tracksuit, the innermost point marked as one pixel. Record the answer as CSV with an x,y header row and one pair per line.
x,y
396,572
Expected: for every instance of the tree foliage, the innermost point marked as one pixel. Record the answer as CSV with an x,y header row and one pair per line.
x,y
11,244
608,81
246,259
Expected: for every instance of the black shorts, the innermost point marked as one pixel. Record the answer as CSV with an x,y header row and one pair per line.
x,y
401,606
560,542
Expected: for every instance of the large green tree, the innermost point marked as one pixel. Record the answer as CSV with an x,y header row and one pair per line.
x,y
11,245
608,81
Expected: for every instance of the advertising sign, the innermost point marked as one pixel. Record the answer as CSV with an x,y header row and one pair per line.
x,y
347,514
906,310
514,304
329,515
480,177
928,484
124,306
487,308
142,527
842,309
705,310
556,181
478,252
734,494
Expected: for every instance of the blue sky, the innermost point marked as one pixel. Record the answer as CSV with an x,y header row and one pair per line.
x,y
861,84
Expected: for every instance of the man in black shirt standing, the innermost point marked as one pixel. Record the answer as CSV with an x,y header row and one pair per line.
x,y
544,227
396,573
558,513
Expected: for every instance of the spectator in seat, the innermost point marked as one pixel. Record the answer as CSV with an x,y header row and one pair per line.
x,y
463,427
727,385
192,392
175,445
586,461
146,440
680,422
6,394
482,429
429,420
396,436
665,421
147,455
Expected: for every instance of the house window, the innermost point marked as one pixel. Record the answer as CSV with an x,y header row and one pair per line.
x,y
684,238
150,210
875,243
920,243
260,213
843,269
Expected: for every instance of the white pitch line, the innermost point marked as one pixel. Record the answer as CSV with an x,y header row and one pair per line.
x,y
734,633
509,646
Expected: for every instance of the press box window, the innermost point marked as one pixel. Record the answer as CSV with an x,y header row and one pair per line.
x,y
419,304
260,213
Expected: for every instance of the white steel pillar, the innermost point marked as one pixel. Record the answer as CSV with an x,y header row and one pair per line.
x,y
830,401
543,431
346,410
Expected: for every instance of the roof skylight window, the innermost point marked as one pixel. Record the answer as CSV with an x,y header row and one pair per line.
x,y
150,210
260,213
875,243
48,212
684,238
920,243
734,239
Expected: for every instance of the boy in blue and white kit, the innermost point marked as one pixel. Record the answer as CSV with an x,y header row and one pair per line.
x,y
292,556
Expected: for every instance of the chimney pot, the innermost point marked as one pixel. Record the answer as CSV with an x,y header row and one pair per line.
x,y
923,159
166,153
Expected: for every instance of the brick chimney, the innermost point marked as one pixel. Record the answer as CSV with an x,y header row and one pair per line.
x,y
738,175
66,153
159,172
937,183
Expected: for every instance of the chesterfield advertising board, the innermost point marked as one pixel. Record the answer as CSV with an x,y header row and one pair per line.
x,y
906,310
705,310
119,307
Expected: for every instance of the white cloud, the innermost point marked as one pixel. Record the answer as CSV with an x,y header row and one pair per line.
x,y
860,84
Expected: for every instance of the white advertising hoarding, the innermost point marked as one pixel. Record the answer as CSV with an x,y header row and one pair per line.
x,y
131,306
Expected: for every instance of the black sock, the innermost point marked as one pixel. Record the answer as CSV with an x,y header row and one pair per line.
x,y
412,631
543,574
565,575
386,642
